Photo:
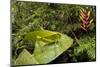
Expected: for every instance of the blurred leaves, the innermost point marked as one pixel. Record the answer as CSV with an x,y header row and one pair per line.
x,y
88,45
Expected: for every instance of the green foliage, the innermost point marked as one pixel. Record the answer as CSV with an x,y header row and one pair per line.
x,y
87,45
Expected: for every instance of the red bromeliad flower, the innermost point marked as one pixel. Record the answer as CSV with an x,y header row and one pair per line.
x,y
85,19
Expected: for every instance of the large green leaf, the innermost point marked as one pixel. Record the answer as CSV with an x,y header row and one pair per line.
x,y
25,58
48,46
49,52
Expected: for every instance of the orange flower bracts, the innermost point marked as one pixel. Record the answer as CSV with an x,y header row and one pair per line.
x,y
85,19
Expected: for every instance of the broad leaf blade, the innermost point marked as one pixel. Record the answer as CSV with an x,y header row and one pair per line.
x,y
50,51
25,58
